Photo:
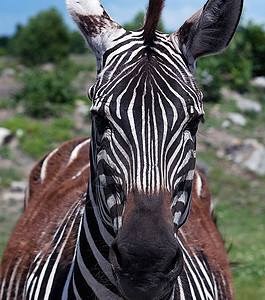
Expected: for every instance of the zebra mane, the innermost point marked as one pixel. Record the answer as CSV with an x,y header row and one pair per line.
x,y
153,15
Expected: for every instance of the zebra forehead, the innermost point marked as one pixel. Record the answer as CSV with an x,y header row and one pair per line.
x,y
139,203
133,75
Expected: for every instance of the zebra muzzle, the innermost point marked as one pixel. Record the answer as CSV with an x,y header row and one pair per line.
x,y
145,274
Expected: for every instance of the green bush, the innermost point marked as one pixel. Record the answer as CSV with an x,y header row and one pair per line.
x,y
209,78
254,35
77,43
138,22
44,90
4,41
236,63
236,66
44,39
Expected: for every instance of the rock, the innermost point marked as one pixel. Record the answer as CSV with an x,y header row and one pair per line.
x,y
259,82
242,103
18,186
8,72
248,105
82,108
48,67
8,196
237,119
226,124
5,136
249,154
203,167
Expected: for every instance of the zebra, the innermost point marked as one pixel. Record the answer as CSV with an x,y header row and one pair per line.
x,y
125,214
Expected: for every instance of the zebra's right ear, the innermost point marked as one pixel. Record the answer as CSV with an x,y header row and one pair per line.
x,y
209,30
98,29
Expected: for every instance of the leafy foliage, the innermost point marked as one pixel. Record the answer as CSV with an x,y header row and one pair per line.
x,y
44,90
77,43
4,41
44,39
235,67
138,22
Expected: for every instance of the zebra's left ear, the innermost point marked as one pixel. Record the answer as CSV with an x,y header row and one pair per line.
x,y
98,29
209,30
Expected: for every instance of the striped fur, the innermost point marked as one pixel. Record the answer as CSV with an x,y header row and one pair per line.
x,y
107,217
75,263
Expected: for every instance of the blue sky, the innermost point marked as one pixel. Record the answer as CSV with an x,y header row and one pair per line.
x,y
175,13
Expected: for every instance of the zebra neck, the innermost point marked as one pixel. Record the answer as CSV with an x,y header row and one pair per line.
x,y
91,273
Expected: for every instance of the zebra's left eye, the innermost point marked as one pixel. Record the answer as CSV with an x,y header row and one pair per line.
x,y
101,123
193,125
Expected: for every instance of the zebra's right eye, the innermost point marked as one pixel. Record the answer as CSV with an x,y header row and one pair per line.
x,y
101,123
193,125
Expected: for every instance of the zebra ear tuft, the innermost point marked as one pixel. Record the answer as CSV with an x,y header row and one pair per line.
x,y
209,30
98,29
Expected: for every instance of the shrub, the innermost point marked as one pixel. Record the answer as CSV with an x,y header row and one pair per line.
x,y
209,78
44,39
44,90
77,43
138,22
236,66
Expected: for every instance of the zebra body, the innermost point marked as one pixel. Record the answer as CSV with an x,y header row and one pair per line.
x,y
110,217
70,268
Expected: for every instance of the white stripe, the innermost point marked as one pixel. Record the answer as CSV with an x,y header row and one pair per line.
x,y
137,164
195,276
32,288
191,288
69,276
47,263
105,234
32,273
206,276
77,297
76,150
198,184
58,258
181,291
103,263
165,130
100,291
45,163
2,287
12,278
144,141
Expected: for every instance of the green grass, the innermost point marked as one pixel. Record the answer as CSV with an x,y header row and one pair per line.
x,y
7,175
240,210
8,62
9,213
36,138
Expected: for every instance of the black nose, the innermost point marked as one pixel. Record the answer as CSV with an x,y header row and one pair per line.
x,y
145,258
145,271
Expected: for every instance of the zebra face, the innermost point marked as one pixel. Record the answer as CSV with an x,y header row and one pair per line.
x,y
145,114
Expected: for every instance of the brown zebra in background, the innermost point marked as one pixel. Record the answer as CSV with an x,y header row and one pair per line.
x,y
111,217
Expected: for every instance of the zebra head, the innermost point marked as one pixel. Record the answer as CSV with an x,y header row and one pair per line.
x,y
145,114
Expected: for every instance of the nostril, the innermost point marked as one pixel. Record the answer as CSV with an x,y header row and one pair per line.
x,y
175,262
